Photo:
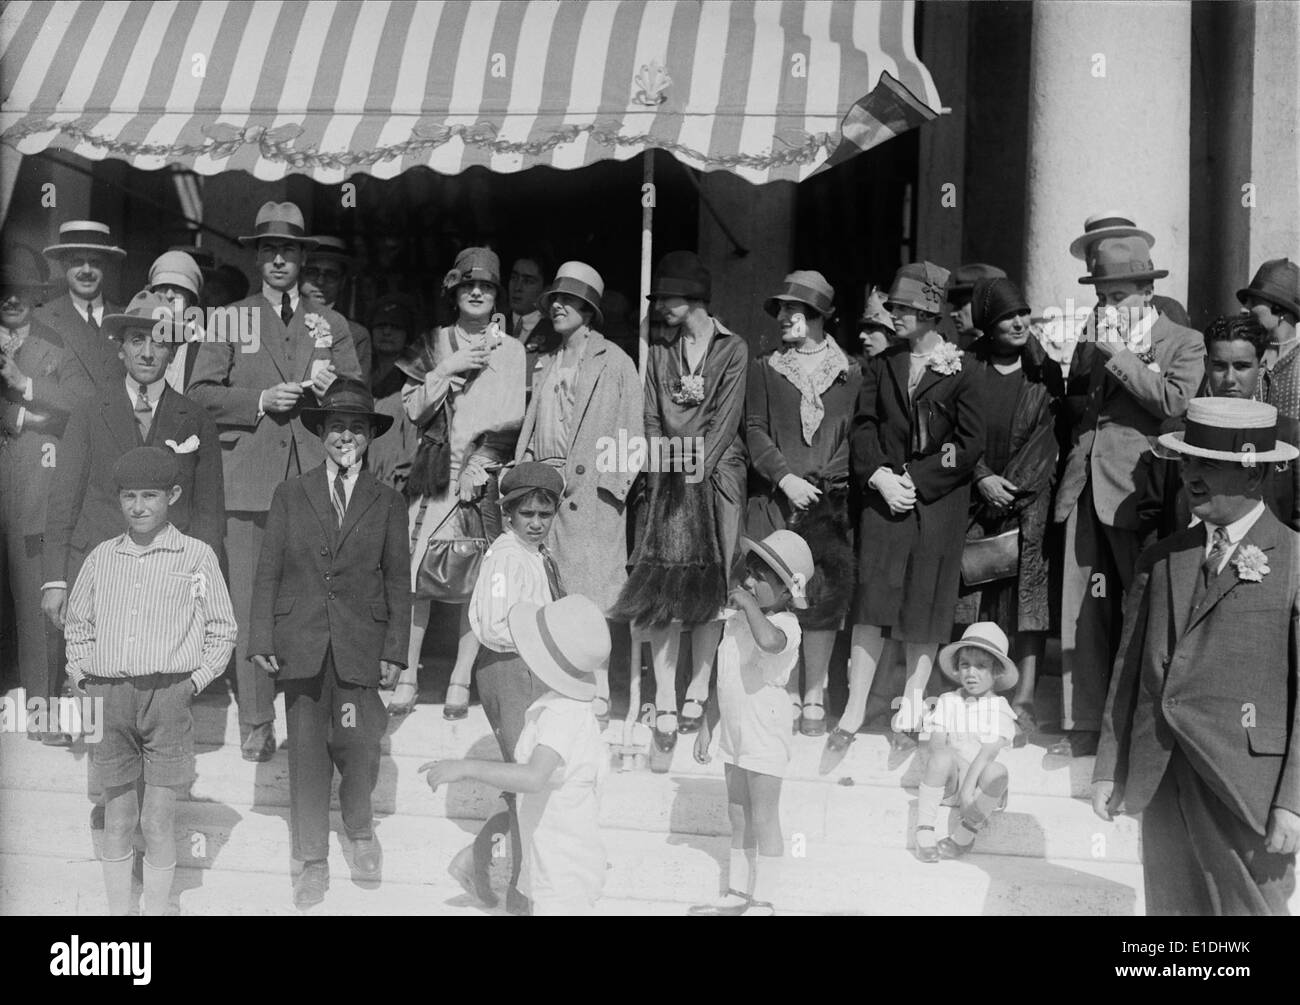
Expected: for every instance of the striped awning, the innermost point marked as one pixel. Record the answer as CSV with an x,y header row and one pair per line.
x,y
332,89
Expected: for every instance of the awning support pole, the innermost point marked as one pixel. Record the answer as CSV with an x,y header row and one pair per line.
x,y
647,252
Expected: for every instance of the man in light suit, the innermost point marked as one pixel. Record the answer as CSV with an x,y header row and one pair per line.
x,y
256,392
1201,731
327,269
84,254
1142,371
34,406
331,622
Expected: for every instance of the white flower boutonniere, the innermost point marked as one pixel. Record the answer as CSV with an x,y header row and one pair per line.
x,y
945,360
186,446
689,390
319,329
1251,563
199,586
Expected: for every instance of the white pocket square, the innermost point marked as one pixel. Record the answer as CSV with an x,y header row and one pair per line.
x,y
187,447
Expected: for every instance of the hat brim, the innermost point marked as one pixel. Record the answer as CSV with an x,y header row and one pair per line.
x,y
1004,680
307,243
1287,305
549,294
1176,444
748,546
526,632
115,326
1136,277
772,305
1079,246
58,250
314,418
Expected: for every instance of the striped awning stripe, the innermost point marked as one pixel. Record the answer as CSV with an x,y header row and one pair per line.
x,y
334,87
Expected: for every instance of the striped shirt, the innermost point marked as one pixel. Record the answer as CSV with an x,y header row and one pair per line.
x,y
163,608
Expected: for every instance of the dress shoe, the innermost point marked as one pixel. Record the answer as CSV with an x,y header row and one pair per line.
x,y
813,725
398,709
688,723
1083,743
928,854
839,740
367,858
517,904
472,876
948,848
97,818
732,905
310,885
902,743
259,744
665,739
57,739
451,710
1026,725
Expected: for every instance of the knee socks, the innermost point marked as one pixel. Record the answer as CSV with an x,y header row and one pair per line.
x,y
117,883
977,814
928,798
157,889
767,878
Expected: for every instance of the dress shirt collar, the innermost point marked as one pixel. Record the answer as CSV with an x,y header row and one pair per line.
x,y
349,479
85,306
168,539
276,297
1236,530
153,391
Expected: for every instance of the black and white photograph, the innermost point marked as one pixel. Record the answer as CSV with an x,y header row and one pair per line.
x,y
659,458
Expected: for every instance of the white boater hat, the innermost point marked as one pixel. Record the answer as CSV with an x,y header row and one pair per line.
x,y
1229,429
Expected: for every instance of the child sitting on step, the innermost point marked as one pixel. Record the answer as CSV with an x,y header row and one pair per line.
x,y
759,649
559,758
966,730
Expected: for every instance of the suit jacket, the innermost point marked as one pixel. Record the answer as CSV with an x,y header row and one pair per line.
x,y
1128,404
84,508
29,452
319,586
228,382
94,359
1220,681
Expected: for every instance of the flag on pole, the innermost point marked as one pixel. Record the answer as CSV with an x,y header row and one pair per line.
x,y
888,111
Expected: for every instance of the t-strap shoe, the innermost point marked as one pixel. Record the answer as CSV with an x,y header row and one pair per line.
x,y
732,905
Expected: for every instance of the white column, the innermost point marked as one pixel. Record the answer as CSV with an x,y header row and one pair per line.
x,y
1275,134
1109,122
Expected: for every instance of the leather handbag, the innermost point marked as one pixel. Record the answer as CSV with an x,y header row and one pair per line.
x,y
988,559
449,568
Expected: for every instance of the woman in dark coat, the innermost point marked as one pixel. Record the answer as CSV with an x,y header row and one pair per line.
x,y
1013,480
799,403
918,432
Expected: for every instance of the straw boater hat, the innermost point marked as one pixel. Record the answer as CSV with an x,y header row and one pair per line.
x,y
993,640
176,268
279,219
578,279
84,235
349,397
803,286
919,285
788,555
1111,223
564,643
1229,429
1278,282
1122,258
150,311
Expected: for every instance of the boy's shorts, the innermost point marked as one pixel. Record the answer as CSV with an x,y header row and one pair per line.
x,y
952,787
148,727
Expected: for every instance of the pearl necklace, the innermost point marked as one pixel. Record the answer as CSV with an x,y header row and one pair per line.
x,y
813,352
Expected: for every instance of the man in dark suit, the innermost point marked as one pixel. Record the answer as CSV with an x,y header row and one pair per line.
x,y
331,621
34,406
256,392
1201,731
84,254
1142,370
527,322
326,271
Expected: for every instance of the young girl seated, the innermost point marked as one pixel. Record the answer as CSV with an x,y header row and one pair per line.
x,y
759,648
966,729
559,757
515,569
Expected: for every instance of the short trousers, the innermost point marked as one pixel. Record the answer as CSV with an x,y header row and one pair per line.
x,y
148,729
952,788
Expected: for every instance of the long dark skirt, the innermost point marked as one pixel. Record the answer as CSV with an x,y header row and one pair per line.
x,y
909,567
825,526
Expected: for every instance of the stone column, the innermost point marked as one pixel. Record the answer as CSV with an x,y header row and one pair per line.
x,y
1109,114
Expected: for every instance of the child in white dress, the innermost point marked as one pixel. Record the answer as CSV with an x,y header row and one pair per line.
x,y
560,759
759,649
963,733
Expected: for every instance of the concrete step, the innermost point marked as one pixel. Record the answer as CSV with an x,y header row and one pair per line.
x,y
819,877
867,815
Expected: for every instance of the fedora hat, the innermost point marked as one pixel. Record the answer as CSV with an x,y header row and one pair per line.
x,y
804,286
681,274
964,278
20,273
1278,282
564,643
529,476
150,311
176,268
279,219
1111,223
1229,429
578,279
1122,258
919,285
331,247
789,556
349,397
84,235
993,640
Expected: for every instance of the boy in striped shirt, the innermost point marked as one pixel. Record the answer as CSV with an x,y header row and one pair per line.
x,y
149,626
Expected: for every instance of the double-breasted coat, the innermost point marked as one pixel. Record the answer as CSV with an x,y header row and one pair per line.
x,y
93,355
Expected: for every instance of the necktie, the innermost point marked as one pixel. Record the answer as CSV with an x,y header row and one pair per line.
x,y
286,309
552,574
1210,566
90,320
340,496
143,413
517,329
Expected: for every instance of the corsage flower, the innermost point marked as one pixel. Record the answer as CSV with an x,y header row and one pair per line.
x,y
689,390
319,329
186,446
1251,563
199,586
945,360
